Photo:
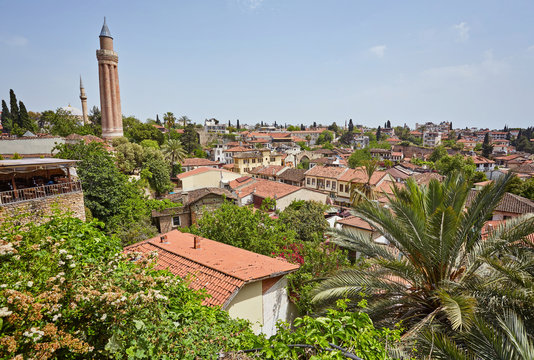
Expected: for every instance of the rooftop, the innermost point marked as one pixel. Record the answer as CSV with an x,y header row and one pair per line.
x,y
267,189
218,268
356,222
200,170
198,162
510,203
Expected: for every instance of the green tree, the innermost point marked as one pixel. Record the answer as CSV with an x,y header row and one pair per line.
x,y
437,278
378,134
7,120
438,153
325,137
174,152
351,126
245,228
364,191
190,139
306,218
14,108
60,122
157,171
450,164
487,148
129,155
184,120
136,131
169,120
358,157
25,120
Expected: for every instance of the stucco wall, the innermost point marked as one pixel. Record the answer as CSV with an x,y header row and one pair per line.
x,y
207,179
248,305
29,146
38,210
302,194
275,306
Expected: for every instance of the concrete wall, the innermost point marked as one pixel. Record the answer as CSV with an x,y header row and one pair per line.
x,y
302,194
248,304
207,179
38,211
29,146
276,306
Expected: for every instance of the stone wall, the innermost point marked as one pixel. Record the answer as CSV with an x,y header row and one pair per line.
x,y
26,146
38,211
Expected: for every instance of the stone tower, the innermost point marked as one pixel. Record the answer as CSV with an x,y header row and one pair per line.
x,y
110,99
83,98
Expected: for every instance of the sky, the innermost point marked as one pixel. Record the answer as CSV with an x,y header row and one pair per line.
x,y
289,61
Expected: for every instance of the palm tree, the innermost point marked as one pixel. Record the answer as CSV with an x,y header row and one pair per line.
x,y
507,339
169,120
435,263
173,151
184,120
361,191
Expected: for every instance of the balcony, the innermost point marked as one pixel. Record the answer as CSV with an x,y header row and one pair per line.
x,y
39,192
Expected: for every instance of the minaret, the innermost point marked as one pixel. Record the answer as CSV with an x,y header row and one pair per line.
x,y
110,99
83,98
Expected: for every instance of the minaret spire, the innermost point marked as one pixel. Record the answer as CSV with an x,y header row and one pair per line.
x,y
83,98
105,30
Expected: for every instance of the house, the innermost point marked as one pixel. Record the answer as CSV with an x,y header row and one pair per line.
x,y
482,164
203,177
360,142
213,125
431,139
255,191
193,163
247,285
469,144
510,206
191,205
358,226
230,152
269,172
246,161
294,177
36,186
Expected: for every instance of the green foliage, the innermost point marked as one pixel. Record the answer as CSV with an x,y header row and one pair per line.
x,y
293,128
303,145
353,331
149,144
306,218
523,188
438,153
174,152
136,131
358,157
325,137
16,120
447,165
157,171
245,228
129,155
16,156
67,292
63,123
441,277
190,139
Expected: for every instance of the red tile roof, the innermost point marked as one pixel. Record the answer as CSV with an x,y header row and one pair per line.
x,y
198,162
240,182
510,203
237,149
218,268
356,222
199,170
269,170
267,188
326,171
360,176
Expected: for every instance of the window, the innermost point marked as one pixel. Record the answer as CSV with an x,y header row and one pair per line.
x,y
333,185
253,161
327,183
176,221
313,181
273,159
308,181
341,188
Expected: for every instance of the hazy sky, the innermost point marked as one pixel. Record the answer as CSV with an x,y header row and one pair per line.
x,y
470,62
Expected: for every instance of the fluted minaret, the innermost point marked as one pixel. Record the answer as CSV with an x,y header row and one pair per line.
x,y
110,99
83,98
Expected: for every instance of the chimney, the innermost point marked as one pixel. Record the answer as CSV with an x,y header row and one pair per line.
x,y
196,242
163,239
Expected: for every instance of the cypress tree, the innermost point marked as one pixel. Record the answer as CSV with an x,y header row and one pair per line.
x,y
314,125
6,118
237,125
389,124
25,118
14,110
158,121
302,128
351,126
487,148
378,134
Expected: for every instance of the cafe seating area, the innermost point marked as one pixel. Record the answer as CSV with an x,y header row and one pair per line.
x,y
28,179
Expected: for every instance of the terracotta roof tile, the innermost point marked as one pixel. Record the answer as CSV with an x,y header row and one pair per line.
x,y
200,170
296,175
326,171
198,162
355,221
510,203
218,268
267,188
